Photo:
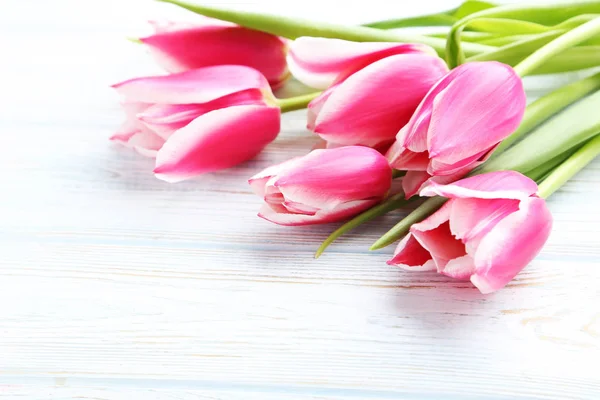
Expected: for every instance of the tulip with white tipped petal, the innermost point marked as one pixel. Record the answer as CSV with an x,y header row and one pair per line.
x,y
373,88
492,227
198,121
323,186
182,46
458,124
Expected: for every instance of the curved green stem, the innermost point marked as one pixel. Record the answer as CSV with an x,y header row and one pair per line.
x,y
545,14
402,227
570,167
563,42
439,19
293,28
394,202
296,103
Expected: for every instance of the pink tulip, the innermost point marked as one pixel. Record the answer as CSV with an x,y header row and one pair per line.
x,y
180,47
198,121
490,229
458,124
375,87
323,186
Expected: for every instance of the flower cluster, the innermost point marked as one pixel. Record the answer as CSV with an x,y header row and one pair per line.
x,y
386,110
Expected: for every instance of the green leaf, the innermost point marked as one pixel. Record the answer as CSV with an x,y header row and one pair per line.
x,y
546,106
444,18
571,127
566,170
470,7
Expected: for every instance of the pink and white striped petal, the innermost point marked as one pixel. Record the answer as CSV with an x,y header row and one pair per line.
x,y
192,47
374,103
493,185
317,62
217,140
411,256
511,245
341,212
195,86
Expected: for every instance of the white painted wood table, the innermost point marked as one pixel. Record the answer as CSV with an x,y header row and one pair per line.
x,y
115,285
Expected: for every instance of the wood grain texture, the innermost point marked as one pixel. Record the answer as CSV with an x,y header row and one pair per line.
x,y
115,285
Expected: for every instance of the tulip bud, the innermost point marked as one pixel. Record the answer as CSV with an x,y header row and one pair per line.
x,y
375,87
491,228
198,121
179,47
458,124
323,186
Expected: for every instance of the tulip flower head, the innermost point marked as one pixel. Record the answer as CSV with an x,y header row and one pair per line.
x,y
179,47
198,121
458,124
491,227
323,186
373,88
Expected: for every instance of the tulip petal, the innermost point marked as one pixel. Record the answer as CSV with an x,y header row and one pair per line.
x,y
259,181
401,158
374,103
325,179
413,181
437,167
410,255
209,45
459,268
341,212
299,208
511,245
493,185
434,235
490,100
471,218
164,26
414,135
315,106
144,141
217,140
164,119
317,62
195,86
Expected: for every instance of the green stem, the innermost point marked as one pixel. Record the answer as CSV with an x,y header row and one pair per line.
x,y
296,103
394,202
570,167
401,228
293,28
563,42
545,14
438,19
548,105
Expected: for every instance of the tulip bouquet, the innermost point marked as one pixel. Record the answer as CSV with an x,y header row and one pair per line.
x,y
445,114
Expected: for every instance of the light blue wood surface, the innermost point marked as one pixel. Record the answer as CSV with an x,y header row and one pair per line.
x,y
115,285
